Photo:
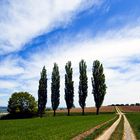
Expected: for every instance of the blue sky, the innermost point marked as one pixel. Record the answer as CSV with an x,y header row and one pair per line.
x,y
35,33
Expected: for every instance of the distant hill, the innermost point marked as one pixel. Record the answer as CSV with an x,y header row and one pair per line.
x,y
3,109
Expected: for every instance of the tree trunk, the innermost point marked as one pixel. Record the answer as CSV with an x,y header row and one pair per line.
x,y
54,113
68,112
41,115
83,112
97,111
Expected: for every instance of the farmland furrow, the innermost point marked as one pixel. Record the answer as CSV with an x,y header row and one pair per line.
x,y
107,133
128,131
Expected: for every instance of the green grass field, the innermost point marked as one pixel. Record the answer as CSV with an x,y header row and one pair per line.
x,y
134,120
50,128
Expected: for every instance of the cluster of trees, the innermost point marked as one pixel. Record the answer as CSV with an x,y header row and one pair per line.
x,y
136,104
22,103
98,84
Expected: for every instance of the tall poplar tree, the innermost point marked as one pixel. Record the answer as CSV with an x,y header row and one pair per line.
x,y
55,85
69,89
98,84
83,85
42,92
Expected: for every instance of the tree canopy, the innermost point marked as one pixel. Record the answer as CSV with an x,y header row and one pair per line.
x,y
42,92
21,102
98,84
55,85
69,89
83,85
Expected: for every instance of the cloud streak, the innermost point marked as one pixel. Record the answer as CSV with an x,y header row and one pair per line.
x,y
21,21
117,48
115,53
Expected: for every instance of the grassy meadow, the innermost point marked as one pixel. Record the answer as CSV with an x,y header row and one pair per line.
x,y
134,120
50,128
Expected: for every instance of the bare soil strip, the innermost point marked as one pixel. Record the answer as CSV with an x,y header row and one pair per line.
x,y
89,109
128,132
87,133
107,133
119,131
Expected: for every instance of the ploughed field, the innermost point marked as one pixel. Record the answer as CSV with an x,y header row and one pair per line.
x,y
130,108
53,128
91,109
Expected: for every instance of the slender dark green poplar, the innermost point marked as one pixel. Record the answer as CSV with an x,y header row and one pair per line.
x,y
55,85
69,89
83,85
98,84
42,92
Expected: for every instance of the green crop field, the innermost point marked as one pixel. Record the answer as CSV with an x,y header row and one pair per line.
x,y
50,128
134,119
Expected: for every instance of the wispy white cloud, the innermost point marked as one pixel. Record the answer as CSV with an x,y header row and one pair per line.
x,y
113,48
113,51
4,84
10,67
21,21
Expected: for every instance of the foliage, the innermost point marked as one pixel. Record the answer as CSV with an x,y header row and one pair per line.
x,y
69,89
18,116
42,92
83,86
137,104
55,85
98,84
22,103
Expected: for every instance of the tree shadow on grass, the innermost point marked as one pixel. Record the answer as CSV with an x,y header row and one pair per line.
x,y
58,114
48,114
17,116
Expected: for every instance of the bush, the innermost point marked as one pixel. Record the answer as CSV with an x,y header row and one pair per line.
x,y
17,116
137,104
22,103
